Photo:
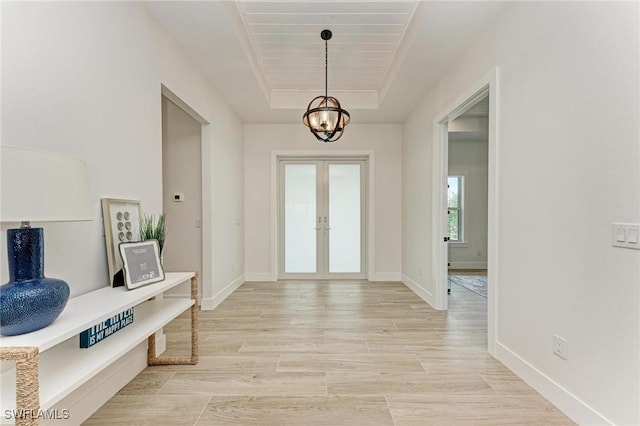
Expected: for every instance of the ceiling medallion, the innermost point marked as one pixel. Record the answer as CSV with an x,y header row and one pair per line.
x,y
324,116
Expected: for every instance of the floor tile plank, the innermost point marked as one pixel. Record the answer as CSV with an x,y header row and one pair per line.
x,y
271,384
306,411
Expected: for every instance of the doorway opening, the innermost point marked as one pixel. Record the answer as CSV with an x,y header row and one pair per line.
x,y
467,180
182,192
465,223
322,218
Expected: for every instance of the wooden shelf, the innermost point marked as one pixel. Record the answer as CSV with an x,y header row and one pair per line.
x,y
63,365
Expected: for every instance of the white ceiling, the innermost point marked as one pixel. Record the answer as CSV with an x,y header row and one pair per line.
x,y
266,58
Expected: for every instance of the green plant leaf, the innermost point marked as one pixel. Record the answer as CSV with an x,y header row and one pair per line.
x,y
152,229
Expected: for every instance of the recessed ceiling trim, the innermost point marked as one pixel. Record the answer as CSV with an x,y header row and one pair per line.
x,y
292,99
239,27
406,39
215,35
284,51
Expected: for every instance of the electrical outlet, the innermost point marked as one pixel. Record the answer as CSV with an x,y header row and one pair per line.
x,y
560,346
420,271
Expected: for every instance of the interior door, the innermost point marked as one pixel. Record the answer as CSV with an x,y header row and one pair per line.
x,y
322,211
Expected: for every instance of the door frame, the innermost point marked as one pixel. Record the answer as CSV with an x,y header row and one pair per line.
x,y
323,242
205,287
488,84
369,227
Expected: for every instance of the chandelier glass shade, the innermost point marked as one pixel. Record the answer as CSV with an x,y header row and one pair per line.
x,y
324,117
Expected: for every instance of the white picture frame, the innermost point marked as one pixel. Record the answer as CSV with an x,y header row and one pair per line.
x,y
141,263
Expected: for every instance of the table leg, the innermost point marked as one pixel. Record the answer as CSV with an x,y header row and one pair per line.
x,y
27,384
152,359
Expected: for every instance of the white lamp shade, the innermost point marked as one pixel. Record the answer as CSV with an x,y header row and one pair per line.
x,y
42,186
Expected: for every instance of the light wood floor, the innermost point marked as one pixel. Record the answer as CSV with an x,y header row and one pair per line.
x,y
468,272
332,353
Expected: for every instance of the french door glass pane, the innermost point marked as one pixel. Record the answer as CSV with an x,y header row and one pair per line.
x,y
344,214
300,218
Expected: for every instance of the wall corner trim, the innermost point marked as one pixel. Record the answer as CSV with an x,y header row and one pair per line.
x,y
386,276
568,403
418,290
209,304
261,276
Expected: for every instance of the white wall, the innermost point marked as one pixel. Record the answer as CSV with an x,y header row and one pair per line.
x,y
262,139
85,78
469,159
181,173
223,171
568,156
75,81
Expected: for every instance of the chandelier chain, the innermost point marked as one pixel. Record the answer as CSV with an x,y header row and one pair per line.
x,y
326,68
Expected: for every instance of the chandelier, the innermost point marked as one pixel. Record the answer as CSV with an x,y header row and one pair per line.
x,y
324,116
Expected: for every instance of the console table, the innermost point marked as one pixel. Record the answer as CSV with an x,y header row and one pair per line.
x,y
50,363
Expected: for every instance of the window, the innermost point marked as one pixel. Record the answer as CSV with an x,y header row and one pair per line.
x,y
455,192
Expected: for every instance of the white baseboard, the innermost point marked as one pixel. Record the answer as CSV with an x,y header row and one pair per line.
x,y
568,403
270,277
417,289
468,265
177,295
386,276
209,304
261,276
92,395
182,291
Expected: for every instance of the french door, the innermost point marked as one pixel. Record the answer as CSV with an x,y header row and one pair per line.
x,y
322,219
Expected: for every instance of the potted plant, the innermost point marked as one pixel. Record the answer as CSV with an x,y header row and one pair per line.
x,y
152,229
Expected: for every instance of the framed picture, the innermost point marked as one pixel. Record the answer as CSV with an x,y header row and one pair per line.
x,y
141,263
121,225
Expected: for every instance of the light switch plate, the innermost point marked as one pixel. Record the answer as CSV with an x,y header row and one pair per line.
x,y
625,235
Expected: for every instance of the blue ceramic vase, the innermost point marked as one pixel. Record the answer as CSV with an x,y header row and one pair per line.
x,y
29,301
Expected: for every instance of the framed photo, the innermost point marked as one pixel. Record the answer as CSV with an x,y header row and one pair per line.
x,y
141,263
121,225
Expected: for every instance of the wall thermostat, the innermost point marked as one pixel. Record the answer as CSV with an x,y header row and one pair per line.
x,y
178,197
